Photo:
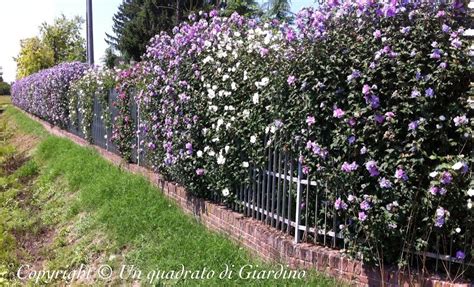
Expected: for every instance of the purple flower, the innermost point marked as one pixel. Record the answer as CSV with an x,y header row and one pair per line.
x,y
440,217
460,255
379,118
351,122
373,100
200,171
405,30
415,93
429,93
362,216
189,148
460,120
340,204
413,125
377,34
366,90
338,113
446,178
290,35
389,115
306,169
310,120
151,146
263,52
436,54
363,150
446,28
351,139
385,183
443,65
354,75
456,43
349,167
365,205
291,80
372,168
434,190
401,174
213,13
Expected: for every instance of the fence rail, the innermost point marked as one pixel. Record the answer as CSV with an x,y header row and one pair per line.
x,y
279,194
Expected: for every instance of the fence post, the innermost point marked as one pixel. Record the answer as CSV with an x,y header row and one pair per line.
x,y
298,203
138,132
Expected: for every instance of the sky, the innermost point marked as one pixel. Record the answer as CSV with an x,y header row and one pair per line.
x,y
20,19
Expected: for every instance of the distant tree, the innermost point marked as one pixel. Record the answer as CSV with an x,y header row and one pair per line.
x,y
110,58
137,21
279,9
34,56
248,8
4,89
64,38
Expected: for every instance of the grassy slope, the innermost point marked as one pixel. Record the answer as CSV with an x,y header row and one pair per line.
x,y
101,214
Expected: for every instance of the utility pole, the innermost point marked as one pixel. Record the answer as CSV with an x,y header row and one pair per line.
x,y
90,35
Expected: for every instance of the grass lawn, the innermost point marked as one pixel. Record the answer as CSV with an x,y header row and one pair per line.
x,y
62,205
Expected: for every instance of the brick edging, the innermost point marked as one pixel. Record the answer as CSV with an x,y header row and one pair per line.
x,y
268,243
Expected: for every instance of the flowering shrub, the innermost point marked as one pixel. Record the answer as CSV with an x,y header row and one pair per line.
x,y
371,96
96,82
124,129
45,94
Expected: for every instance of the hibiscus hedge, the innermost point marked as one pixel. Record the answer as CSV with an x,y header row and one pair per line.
x,y
373,96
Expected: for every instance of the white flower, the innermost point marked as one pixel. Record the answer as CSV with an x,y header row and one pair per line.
x,y
442,118
253,139
225,192
211,94
245,164
199,153
458,230
434,174
211,153
458,165
246,113
220,159
233,86
226,148
273,129
469,204
206,148
225,77
214,140
245,76
470,192
255,98
213,108
220,122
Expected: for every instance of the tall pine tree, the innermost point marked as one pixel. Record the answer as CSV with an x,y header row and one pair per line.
x,y
137,21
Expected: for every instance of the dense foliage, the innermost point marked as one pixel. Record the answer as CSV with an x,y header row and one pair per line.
x,y
372,96
137,21
4,89
95,83
45,94
59,42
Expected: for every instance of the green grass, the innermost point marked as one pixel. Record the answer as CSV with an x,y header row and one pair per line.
x,y
102,214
